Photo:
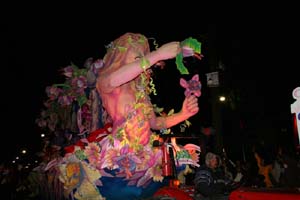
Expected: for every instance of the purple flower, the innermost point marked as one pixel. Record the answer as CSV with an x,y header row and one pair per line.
x,y
97,65
68,71
192,86
53,92
85,112
65,100
92,152
80,83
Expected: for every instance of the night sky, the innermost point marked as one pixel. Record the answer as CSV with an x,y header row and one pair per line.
x,y
259,64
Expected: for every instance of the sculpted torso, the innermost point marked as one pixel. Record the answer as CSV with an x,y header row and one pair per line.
x,y
128,113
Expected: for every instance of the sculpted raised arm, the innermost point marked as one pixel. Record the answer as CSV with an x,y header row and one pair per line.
x,y
132,66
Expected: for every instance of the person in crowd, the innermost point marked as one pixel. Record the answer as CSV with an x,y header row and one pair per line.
x,y
290,175
207,141
264,161
210,182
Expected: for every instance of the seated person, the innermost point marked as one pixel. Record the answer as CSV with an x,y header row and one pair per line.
x,y
209,182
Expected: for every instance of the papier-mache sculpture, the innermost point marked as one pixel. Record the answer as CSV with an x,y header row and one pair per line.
x,y
105,115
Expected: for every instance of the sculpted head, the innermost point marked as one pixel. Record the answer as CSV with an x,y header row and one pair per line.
x,y
125,49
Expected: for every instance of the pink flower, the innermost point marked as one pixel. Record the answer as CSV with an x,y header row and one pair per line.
x,y
85,112
53,92
92,152
79,83
65,100
192,86
68,71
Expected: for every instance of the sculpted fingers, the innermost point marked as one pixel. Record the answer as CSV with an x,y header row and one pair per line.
x,y
193,108
193,104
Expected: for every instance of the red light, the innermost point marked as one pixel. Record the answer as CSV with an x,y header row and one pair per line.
x,y
296,128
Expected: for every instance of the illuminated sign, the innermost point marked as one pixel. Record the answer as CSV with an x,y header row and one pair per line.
x,y
212,79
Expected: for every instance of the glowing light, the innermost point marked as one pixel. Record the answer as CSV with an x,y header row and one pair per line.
x,y
17,158
222,98
24,151
176,183
42,135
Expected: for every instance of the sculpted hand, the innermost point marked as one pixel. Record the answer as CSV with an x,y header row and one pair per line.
x,y
190,106
187,51
169,50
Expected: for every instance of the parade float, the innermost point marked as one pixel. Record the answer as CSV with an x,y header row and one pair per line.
x,y
82,160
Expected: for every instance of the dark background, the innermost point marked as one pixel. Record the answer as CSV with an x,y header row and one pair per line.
x,y
259,62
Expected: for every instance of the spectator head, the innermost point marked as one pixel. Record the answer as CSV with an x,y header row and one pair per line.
x,y
211,160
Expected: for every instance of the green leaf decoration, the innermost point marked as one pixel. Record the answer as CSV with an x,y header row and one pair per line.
x,y
180,66
188,123
62,85
152,87
122,49
144,63
129,40
193,44
157,109
142,40
74,66
171,112
81,100
80,154
81,72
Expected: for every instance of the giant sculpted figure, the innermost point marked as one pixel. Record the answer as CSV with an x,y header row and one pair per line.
x,y
123,84
120,161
